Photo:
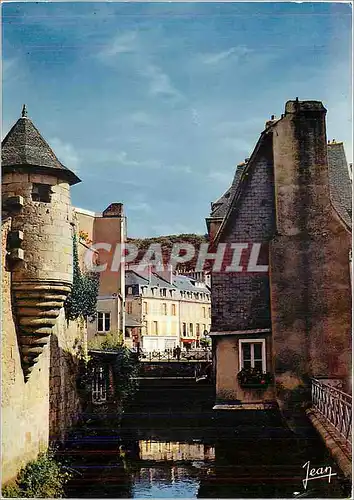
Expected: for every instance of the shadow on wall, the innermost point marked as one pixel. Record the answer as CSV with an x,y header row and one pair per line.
x,y
65,406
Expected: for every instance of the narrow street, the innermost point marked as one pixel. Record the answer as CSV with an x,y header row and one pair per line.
x,y
173,446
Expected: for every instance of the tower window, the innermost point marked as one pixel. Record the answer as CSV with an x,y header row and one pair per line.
x,y
41,192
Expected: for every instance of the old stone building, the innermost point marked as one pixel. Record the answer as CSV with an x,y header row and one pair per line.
x,y
40,347
288,315
171,309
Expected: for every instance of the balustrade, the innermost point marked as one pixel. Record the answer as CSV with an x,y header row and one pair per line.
x,y
335,406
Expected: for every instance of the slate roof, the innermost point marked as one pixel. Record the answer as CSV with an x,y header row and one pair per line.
x,y
339,181
134,277
186,283
179,282
339,184
219,207
24,146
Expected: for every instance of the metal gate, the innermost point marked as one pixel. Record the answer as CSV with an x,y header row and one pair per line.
x,y
99,384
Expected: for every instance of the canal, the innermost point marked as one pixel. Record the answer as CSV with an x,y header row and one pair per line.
x,y
175,446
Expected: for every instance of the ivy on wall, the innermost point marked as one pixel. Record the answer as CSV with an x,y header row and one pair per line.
x,y
82,300
119,361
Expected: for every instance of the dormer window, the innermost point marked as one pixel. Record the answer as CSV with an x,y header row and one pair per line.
x,y
42,192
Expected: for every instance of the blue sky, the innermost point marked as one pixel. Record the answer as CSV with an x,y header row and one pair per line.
x,y
154,104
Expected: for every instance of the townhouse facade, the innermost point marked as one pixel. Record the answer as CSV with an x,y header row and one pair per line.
x,y
167,310
106,233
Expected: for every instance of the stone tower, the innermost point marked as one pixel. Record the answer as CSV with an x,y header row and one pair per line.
x,y
36,197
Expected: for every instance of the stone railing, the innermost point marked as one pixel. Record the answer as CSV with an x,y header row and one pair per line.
x,y
334,405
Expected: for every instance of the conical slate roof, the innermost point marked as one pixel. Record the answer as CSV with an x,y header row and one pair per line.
x,y
24,147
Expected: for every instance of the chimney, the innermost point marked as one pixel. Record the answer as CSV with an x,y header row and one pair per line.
x,y
271,121
167,273
114,210
300,159
170,273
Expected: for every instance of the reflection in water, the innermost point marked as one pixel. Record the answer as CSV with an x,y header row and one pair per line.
x,y
165,482
165,479
160,450
231,460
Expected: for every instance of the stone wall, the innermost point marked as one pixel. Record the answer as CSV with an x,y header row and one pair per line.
x,y
43,408
68,343
24,406
309,257
47,231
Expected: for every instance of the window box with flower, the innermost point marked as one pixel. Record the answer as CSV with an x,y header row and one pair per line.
x,y
253,378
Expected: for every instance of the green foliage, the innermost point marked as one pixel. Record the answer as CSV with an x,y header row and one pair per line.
x,y
44,477
124,366
82,300
169,240
109,342
205,342
167,243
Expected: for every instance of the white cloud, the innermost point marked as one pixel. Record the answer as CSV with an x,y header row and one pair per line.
x,y
235,127
163,229
159,82
142,118
8,67
140,206
222,177
217,57
195,117
141,53
183,169
237,144
121,44
66,154
123,159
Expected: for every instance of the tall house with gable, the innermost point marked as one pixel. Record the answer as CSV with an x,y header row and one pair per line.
x,y
292,321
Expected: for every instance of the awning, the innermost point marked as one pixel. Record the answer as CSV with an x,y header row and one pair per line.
x,y
188,341
131,322
241,332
